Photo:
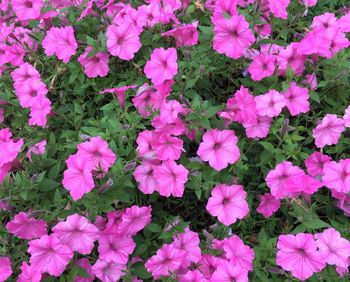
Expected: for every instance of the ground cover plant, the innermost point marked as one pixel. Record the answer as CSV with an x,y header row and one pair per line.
x,y
174,140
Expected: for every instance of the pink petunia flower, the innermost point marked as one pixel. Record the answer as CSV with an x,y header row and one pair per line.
x,y
170,110
162,65
228,203
188,242
238,253
270,104
192,276
325,20
36,149
5,268
297,99
84,263
134,219
171,178
232,37
108,271
185,35
337,39
168,147
23,73
96,65
115,249
29,92
263,65
303,184
26,227
298,254
219,148
260,129
29,274
334,249
344,22
119,92
315,42
123,40
315,163
336,176
279,8
346,117
77,233
276,179
61,42
78,176
39,111
99,153
289,57
226,272
268,205
166,261
144,176
27,9
328,131
49,255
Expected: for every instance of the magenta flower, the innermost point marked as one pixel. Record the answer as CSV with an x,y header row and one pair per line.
x,y
289,57
268,205
188,242
97,150
96,65
170,110
328,131
208,264
78,176
25,227
315,42
226,272
263,65
39,111
167,260
84,263
36,149
134,219
144,176
336,176
270,104
5,268
279,8
298,254
315,163
168,147
344,22
338,40
334,249
232,37
260,129
162,65
49,255
228,203
171,178
192,276
326,20
61,42
23,73
185,35
297,99
219,148
276,179
28,274
303,184
224,9
123,40
77,233
346,117
115,249
238,253
27,9
119,92
29,92
108,271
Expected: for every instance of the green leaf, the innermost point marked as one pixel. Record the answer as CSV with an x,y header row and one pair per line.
x,y
154,227
140,271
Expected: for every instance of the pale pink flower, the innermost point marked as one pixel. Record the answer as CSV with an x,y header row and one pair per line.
x,y
28,274
336,176
168,147
39,111
263,65
289,57
260,129
49,255
238,253
115,249
328,131
188,242
144,176
123,40
108,271
96,65
315,163
326,20
27,9
192,276
297,99
84,263
167,260
61,42
232,37
29,92
279,8
23,73
25,227
276,179
185,35
268,205
226,272
134,219
228,203
270,104
208,264
170,110
145,141
298,254
162,65
36,149
77,233
219,148
97,150
171,178
346,117
334,249
315,42
5,268
78,176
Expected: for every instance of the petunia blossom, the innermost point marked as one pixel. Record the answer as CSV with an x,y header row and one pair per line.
x,y
108,271
270,104
226,272
263,65
27,9
28,274
336,175
268,205
5,268
96,65
297,99
328,131
144,176
115,249
134,219
315,163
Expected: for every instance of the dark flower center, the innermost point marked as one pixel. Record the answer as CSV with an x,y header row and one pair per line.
x,y
28,4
